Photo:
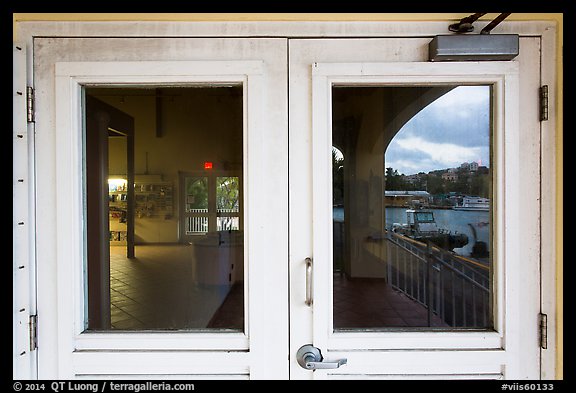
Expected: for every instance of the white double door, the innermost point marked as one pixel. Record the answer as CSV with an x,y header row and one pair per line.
x,y
288,102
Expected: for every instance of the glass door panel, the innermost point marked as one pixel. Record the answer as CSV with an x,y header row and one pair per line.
x,y
185,273
228,203
412,251
412,191
179,305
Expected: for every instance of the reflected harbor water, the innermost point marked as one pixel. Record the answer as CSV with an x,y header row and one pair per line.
x,y
456,221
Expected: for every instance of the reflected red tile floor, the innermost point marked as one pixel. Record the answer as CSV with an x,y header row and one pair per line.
x,y
156,291
372,303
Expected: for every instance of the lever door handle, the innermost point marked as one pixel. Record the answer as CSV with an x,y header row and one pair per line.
x,y
310,358
325,365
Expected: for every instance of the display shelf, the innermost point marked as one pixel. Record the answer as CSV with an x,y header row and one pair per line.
x,y
118,211
154,200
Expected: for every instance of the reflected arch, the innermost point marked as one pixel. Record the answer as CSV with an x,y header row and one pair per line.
x,y
365,119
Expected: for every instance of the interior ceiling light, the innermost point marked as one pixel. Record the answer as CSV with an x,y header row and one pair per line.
x,y
474,47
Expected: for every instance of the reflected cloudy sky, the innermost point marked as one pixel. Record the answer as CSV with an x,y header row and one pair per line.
x,y
453,129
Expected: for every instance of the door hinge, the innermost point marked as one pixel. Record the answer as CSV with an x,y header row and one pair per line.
x,y
33,325
30,104
544,103
543,331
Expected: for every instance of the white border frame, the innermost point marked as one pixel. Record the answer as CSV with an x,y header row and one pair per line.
x,y
503,76
69,80
24,358
26,31
289,29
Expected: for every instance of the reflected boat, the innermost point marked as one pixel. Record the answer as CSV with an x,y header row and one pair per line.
x,y
474,203
421,226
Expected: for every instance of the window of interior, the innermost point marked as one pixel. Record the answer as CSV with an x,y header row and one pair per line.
x,y
164,230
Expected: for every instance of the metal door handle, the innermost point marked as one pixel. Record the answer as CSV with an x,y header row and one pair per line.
x,y
310,358
308,282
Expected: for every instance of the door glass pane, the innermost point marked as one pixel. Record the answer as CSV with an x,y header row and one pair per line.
x,y
196,196
164,234
412,207
228,203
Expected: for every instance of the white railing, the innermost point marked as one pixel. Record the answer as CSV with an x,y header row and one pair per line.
x,y
226,210
455,288
195,225
227,223
198,224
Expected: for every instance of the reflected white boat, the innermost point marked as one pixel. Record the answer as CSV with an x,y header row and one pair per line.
x,y
474,203
421,226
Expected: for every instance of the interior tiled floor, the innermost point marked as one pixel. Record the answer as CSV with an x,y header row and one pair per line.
x,y
158,290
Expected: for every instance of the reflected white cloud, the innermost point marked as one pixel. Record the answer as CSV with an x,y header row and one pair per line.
x,y
453,129
445,154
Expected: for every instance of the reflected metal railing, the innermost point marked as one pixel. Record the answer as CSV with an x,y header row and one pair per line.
x,y
452,287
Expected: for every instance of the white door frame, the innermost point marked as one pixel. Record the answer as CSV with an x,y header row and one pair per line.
x,y
24,246
318,62
487,353
68,351
24,262
70,78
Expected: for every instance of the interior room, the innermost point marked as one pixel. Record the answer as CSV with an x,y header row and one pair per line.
x,y
168,252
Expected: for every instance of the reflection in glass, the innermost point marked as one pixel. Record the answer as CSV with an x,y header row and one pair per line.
x,y
197,194
164,238
196,202
412,197
196,205
228,203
